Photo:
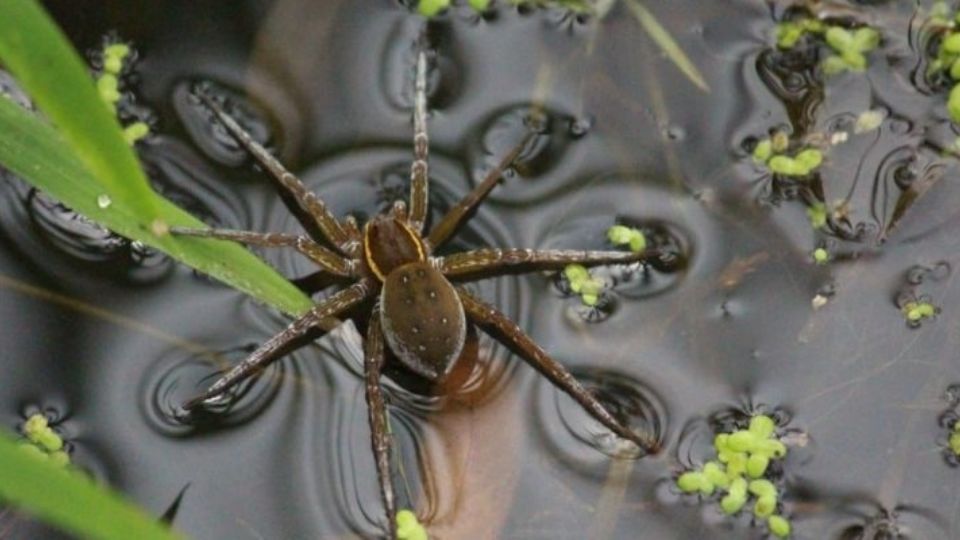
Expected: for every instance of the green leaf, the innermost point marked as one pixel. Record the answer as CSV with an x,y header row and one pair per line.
x,y
39,56
662,37
70,500
35,151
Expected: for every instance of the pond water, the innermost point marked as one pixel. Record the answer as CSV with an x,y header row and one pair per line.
x,y
108,338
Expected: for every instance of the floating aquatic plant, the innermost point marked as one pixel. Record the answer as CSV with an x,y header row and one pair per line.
x,y
620,235
916,311
947,61
114,56
740,473
584,284
599,9
773,152
849,46
43,441
409,527
788,33
821,256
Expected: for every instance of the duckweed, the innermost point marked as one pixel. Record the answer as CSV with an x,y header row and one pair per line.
x,y
581,282
409,527
947,60
43,441
114,56
851,48
817,212
743,459
821,256
788,33
772,153
916,311
620,235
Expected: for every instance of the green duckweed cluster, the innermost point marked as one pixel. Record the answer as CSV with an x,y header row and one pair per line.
x,y
772,152
915,312
409,527
948,61
817,213
43,442
788,33
954,440
620,235
583,283
821,256
739,473
108,84
849,47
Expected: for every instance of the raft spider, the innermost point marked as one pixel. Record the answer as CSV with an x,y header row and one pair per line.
x,y
419,313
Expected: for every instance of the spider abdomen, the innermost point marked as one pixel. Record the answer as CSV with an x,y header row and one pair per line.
x,y
422,318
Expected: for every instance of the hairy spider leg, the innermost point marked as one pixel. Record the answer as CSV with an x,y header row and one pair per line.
x,y
419,169
322,316
327,260
464,209
377,410
497,325
308,201
484,263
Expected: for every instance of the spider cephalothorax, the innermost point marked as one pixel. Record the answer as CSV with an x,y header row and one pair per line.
x,y
418,312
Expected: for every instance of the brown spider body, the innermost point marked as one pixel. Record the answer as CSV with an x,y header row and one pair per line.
x,y
423,320
418,312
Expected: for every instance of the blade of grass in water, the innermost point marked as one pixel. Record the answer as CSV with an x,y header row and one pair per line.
x,y
662,37
70,500
39,56
35,151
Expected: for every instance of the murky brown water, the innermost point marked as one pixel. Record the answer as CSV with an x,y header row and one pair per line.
x,y
729,326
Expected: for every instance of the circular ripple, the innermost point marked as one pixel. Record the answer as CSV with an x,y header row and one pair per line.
x,y
446,72
175,379
527,177
577,436
36,222
868,520
209,134
635,281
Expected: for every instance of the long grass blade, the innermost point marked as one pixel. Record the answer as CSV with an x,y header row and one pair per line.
x,y
39,56
35,151
70,500
662,37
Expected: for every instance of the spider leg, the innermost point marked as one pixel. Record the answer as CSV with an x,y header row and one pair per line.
x,y
379,432
507,332
419,169
308,201
484,263
322,316
464,209
323,257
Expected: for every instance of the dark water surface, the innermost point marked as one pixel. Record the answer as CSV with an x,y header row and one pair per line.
x,y
109,338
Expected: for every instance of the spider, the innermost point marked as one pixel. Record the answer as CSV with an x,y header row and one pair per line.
x,y
419,313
